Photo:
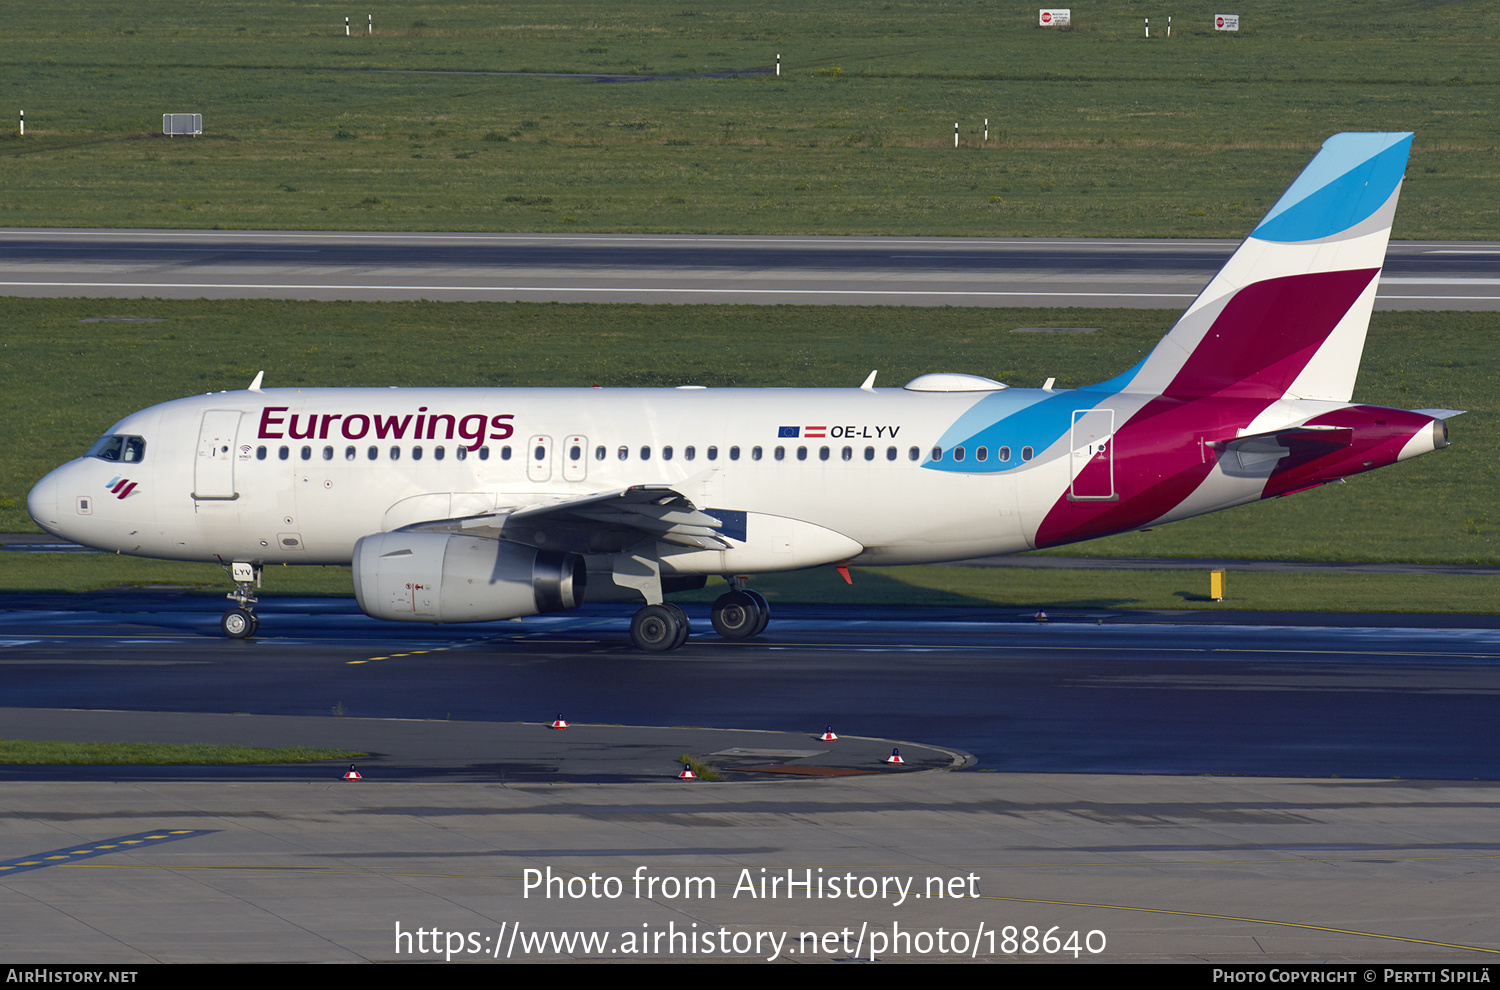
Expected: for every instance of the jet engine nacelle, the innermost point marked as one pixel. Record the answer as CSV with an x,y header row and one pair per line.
x,y
441,577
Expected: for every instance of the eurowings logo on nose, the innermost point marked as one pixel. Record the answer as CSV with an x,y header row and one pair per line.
x,y
120,487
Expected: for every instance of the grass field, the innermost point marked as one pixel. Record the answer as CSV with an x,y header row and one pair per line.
x,y
445,118
14,752
427,125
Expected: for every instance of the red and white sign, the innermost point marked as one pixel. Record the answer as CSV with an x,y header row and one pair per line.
x,y
1055,16
1226,22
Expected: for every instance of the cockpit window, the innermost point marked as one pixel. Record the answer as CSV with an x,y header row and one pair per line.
x,y
119,448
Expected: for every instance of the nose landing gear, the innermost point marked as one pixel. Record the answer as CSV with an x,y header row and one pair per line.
x,y
241,622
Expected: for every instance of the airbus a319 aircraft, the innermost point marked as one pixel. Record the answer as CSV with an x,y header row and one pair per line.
x,y
477,504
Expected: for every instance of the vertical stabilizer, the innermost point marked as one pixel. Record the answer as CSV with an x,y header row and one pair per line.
x,y
1287,315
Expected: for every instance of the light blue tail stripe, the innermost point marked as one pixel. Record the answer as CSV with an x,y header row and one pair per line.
x,y
1351,178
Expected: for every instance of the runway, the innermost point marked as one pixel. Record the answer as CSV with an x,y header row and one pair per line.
x,y
1168,274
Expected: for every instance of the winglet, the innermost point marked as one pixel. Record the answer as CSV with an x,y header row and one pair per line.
x,y
255,385
869,385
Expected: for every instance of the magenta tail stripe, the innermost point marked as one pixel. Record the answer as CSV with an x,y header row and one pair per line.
x,y
1267,333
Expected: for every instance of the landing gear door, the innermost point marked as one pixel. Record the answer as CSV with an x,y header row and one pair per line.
x,y
213,468
1092,464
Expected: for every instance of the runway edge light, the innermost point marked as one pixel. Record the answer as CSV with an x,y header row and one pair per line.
x,y
828,735
895,757
352,774
559,722
687,773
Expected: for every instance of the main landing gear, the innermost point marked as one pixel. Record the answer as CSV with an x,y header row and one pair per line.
x,y
241,622
738,614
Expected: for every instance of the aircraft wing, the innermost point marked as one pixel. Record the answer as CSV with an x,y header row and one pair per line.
x,y
603,523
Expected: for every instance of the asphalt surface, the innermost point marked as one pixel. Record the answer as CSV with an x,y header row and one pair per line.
x,y
499,839
1088,691
682,268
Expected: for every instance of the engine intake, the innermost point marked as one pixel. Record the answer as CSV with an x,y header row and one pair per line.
x,y
439,577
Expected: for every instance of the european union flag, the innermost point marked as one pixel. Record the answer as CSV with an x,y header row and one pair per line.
x,y
789,431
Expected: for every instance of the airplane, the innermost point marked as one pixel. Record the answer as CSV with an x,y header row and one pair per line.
x,y
481,504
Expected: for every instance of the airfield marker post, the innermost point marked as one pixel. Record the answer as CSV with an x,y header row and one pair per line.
x,y
346,27
23,123
778,63
955,134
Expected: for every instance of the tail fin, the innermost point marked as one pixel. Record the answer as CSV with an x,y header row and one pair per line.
x,y
1287,315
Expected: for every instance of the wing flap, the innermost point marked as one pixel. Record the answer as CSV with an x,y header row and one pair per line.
x,y
599,523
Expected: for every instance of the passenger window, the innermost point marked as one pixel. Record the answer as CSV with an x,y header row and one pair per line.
x,y
373,453
504,454
688,453
306,453
484,453
958,453
981,453
781,453
624,453
284,453
913,454
1003,454
349,453
461,452
890,453
645,453
666,453
598,453
438,453
574,452
801,453
395,453
937,453
327,453
416,453
260,453
1027,453
713,453
869,453
822,453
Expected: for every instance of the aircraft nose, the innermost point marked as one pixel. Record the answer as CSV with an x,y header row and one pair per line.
x,y
41,504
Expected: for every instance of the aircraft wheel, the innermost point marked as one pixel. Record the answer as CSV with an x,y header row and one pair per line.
x,y
238,623
656,629
682,617
765,611
737,615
